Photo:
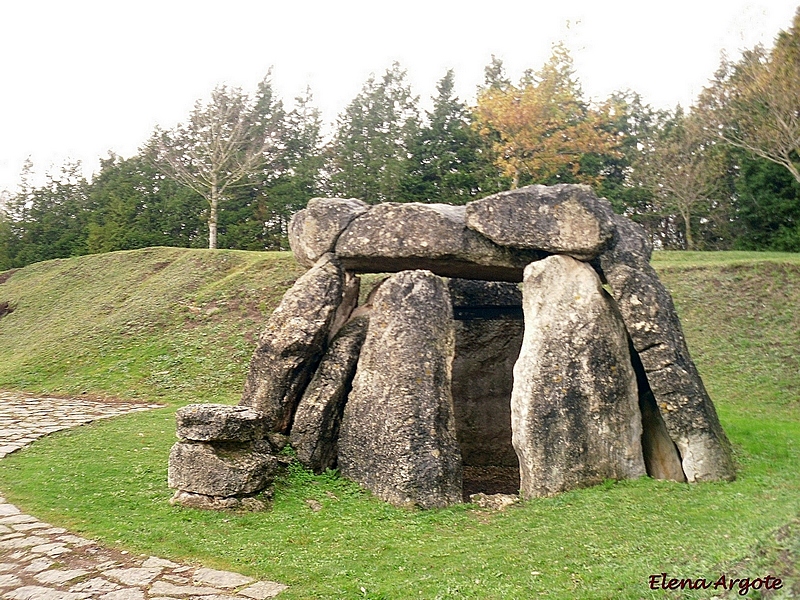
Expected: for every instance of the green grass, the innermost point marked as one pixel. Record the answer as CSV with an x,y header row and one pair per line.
x,y
161,323
108,480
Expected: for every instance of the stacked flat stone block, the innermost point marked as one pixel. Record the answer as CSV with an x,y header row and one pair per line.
x,y
221,460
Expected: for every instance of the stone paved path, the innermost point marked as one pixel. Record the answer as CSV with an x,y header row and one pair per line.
x,y
41,562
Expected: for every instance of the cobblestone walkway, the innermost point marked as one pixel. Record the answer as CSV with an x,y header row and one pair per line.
x,y
41,562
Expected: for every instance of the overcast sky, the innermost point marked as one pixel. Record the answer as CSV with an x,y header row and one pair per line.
x,y
81,78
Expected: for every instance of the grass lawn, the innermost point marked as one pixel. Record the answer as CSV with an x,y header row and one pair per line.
x,y
178,326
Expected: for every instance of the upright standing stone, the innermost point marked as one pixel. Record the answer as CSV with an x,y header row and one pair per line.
x,y
398,434
315,431
655,330
292,344
574,407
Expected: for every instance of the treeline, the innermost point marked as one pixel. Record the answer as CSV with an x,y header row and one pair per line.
x,y
720,175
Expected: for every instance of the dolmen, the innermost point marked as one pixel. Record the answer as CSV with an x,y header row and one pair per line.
x,y
525,332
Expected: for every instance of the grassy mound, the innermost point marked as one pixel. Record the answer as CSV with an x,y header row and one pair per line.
x,y
178,326
160,323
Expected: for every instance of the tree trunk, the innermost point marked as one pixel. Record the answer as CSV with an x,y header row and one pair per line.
x,y
212,218
687,224
792,169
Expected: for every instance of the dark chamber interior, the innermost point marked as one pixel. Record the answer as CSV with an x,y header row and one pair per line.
x,y
487,346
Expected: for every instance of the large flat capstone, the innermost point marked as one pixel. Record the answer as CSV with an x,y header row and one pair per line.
x,y
560,219
314,230
394,237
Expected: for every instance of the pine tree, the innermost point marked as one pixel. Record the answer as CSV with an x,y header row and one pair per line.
x,y
368,156
448,159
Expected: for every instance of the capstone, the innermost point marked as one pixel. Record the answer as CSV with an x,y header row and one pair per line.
x,y
393,237
560,219
314,230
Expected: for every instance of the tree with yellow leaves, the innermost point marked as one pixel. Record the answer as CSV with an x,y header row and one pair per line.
x,y
542,130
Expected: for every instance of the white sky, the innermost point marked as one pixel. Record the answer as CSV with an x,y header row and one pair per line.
x,y
79,78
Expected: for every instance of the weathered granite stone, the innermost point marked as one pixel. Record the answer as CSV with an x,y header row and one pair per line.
x,y
489,331
292,344
398,434
655,331
660,454
393,237
315,431
314,230
494,501
352,290
218,469
219,422
203,502
562,219
574,408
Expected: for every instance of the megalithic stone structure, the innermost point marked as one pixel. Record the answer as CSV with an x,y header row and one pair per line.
x,y
412,390
575,405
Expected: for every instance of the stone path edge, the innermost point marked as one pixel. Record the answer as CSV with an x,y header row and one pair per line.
x,y
42,562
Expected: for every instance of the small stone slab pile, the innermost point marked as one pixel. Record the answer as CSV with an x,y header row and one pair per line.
x,y
603,383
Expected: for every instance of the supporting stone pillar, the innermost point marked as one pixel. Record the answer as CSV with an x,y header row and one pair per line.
x,y
398,434
221,460
655,330
574,408
292,344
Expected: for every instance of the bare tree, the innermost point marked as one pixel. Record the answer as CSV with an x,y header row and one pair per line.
x,y
683,172
754,104
223,144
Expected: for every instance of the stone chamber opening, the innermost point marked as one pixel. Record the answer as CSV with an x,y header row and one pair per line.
x,y
488,335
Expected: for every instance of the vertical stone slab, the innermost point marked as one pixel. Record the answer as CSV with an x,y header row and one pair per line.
x,y
315,431
292,344
655,330
574,407
398,432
